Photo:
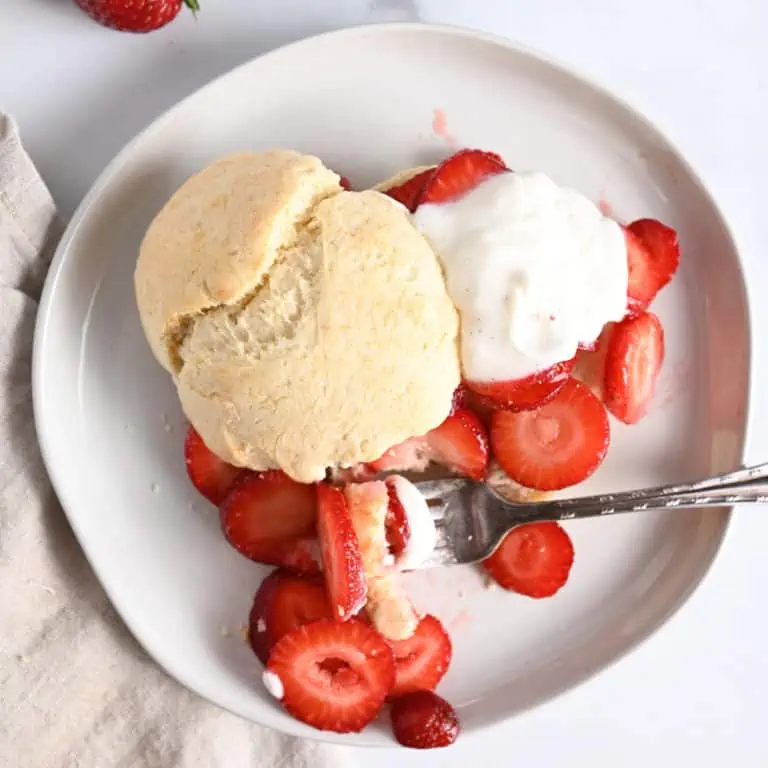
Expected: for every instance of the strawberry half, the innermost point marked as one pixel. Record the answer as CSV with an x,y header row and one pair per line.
x,y
397,526
526,393
653,255
424,720
283,602
422,659
459,443
555,446
271,518
633,359
409,192
460,174
212,476
342,561
533,559
334,676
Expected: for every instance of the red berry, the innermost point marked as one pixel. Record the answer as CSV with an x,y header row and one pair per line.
x,y
653,254
460,174
422,659
633,360
423,720
283,602
398,528
271,518
526,393
459,443
555,446
533,559
131,16
335,675
409,192
212,476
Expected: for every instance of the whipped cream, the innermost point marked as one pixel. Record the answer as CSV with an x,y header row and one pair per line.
x,y
533,268
273,684
423,534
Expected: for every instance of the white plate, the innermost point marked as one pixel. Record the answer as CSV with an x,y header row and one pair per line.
x,y
364,100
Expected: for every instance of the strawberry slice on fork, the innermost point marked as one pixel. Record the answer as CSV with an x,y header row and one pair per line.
x,y
342,558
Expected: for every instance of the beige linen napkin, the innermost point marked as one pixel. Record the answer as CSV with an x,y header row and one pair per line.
x,y
75,688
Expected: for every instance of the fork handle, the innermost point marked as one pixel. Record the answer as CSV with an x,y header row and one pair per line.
x,y
744,486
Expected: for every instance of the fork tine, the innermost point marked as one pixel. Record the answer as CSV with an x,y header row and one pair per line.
x,y
439,489
437,511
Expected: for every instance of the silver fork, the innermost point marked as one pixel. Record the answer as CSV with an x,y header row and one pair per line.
x,y
472,519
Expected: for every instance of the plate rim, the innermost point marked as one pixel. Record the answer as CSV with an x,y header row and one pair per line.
x,y
279,721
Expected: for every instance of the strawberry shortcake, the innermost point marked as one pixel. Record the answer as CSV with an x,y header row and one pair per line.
x,y
328,345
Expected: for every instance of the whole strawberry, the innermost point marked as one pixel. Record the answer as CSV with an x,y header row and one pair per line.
x,y
135,15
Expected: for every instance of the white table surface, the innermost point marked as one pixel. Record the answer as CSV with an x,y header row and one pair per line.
x,y
696,691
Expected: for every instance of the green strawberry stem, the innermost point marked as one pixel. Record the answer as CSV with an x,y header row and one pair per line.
x,y
193,6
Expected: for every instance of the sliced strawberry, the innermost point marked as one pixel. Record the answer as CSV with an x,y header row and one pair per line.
x,y
590,364
422,659
344,182
398,529
533,559
662,245
460,443
460,174
424,720
212,477
342,561
592,346
411,455
409,192
334,676
633,359
641,281
283,602
526,393
271,518
461,397
555,446
357,473
464,397
653,254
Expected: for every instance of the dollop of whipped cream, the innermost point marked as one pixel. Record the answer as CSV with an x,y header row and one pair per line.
x,y
423,534
533,268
